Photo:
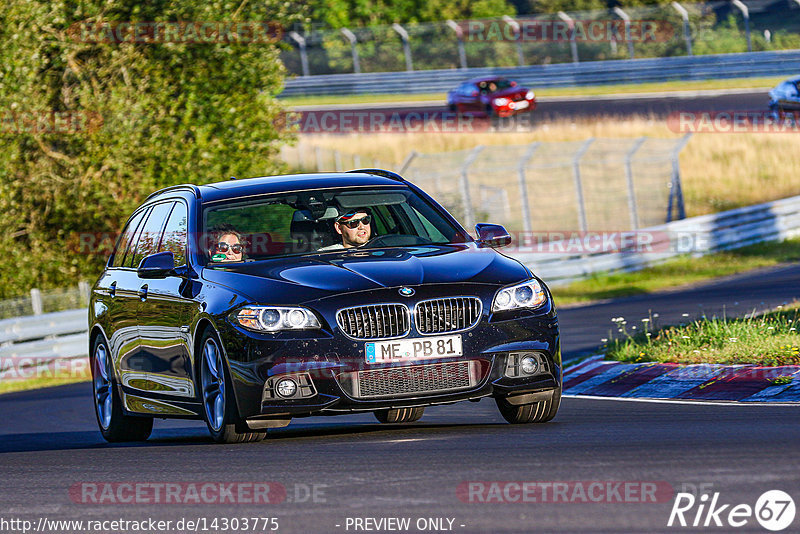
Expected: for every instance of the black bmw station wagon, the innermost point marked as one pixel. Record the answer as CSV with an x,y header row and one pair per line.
x,y
250,302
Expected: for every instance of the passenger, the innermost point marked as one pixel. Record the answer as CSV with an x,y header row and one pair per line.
x,y
354,227
226,244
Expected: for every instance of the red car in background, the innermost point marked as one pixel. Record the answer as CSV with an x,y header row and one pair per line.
x,y
496,97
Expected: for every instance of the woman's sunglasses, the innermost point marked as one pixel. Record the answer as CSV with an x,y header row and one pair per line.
x,y
223,247
353,223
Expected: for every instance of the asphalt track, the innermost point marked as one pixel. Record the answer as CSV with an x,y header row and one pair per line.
x,y
360,469
551,109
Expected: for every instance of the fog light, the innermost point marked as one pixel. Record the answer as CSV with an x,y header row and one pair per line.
x,y
286,387
529,365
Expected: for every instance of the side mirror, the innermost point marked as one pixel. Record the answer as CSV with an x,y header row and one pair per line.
x,y
492,235
474,93
159,265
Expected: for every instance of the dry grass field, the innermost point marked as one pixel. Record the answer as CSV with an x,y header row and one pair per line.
x,y
719,170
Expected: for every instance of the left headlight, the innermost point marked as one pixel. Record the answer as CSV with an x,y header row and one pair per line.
x,y
525,295
276,318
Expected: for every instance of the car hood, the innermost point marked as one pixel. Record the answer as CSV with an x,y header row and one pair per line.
x,y
304,278
511,92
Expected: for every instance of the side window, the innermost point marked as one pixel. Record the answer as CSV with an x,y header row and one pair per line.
x,y
150,236
176,234
125,239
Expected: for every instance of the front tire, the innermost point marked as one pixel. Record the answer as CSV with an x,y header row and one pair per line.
x,y
114,425
399,415
216,390
533,412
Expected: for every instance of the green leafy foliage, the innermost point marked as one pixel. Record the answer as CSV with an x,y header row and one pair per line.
x,y
138,116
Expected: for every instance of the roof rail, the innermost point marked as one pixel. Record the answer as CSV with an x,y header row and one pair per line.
x,y
189,187
380,172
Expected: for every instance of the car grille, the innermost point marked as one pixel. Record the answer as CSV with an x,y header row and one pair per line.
x,y
447,315
375,322
398,381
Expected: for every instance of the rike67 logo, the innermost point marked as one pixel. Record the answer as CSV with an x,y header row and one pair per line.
x,y
774,510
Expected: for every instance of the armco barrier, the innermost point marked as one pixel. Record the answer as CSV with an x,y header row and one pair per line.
x,y
64,334
718,66
770,221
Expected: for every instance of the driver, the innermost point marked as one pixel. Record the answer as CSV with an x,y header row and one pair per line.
x,y
354,227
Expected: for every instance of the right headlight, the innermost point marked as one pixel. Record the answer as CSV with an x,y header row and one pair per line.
x,y
525,295
276,318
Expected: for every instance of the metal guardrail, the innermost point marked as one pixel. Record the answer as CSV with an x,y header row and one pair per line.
x,y
61,334
771,221
64,334
557,75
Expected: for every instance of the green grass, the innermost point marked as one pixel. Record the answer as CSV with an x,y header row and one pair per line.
x,y
46,380
593,90
678,272
769,340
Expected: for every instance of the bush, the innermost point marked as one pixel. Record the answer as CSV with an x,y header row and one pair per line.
x,y
154,114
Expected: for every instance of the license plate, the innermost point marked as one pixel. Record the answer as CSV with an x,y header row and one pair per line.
x,y
522,104
405,350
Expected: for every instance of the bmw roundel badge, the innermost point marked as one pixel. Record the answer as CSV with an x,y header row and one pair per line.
x,y
406,291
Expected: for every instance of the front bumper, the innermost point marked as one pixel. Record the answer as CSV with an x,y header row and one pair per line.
x,y
336,368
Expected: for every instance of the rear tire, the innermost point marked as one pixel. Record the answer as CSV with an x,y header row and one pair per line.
x,y
114,425
534,412
399,415
216,395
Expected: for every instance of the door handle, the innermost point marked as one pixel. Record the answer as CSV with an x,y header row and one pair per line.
x,y
112,289
143,292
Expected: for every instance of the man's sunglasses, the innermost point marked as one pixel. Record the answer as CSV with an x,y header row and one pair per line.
x,y
223,247
353,223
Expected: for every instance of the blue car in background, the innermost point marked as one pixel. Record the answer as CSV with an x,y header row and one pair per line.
x,y
785,97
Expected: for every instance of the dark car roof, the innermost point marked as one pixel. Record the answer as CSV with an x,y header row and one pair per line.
x,y
281,184
486,79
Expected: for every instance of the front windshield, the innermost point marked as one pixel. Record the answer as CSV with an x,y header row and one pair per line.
x,y
322,221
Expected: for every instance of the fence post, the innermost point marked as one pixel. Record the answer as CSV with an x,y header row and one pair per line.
x,y
469,214
576,170
406,46
746,14
462,54
687,34
518,32
301,42
572,44
83,290
318,156
523,187
356,161
624,16
676,191
36,301
337,159
406,162
353,50
629,176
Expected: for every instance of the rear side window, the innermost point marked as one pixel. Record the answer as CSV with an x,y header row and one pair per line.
x,y
126,239
150,236
176,234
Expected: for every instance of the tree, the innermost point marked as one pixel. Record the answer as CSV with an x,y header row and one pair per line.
x,y
95,118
